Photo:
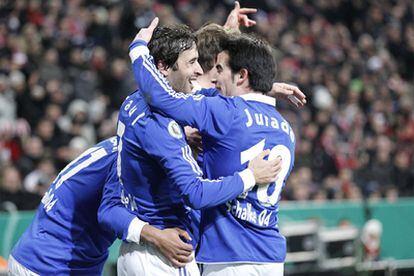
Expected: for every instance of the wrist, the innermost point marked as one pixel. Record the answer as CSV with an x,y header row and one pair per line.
x,y
137,49
248,179
135,230
136,43
150,235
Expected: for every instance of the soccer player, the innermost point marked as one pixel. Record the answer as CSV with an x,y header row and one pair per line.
x,y
160,179
240,237
65,236
208,46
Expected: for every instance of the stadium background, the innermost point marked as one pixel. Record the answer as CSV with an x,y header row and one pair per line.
x,y
64,72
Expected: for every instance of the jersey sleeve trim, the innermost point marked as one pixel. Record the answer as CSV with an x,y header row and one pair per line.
x,y
137,49
135,229
248,179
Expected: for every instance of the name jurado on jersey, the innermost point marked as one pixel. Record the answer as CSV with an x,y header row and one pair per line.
x,y
260,119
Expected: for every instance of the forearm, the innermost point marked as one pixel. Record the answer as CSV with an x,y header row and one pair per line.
x,y
205,193
115,219
112,214
150,234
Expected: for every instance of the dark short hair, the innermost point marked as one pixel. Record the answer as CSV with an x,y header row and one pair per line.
x,y
168,42
209,39
254,55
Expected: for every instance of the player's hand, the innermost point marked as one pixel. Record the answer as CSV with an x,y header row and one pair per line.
x,y
194,139
146,33
238,17
288,92
265,171
170,243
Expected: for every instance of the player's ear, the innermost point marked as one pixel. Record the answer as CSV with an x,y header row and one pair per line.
x,y
242,77
163,68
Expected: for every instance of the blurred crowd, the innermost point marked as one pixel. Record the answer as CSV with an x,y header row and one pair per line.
x,y
64,72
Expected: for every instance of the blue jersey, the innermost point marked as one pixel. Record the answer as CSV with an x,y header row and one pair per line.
x,y
234,130
161,180
64,236
196,214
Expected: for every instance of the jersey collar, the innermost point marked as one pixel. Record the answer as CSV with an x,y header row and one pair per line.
x,y
259,98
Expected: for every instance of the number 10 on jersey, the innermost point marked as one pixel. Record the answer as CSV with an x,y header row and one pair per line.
x,y
265,195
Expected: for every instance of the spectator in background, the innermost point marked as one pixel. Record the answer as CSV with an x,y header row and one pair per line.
x,y
11,190
403,175
33,151
7,101
75,122
39,180
83,79
49,68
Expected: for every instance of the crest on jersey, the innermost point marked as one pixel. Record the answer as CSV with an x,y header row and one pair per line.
x,y
175,130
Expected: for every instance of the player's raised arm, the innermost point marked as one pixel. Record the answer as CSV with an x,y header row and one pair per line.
x,y
213,116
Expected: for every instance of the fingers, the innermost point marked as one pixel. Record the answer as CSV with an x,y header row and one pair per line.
x,y
278,165
263,154
241,15
296,93
245,21
175,263
243,10
183,248
299,94
290,92
181,257
197,137
236,6
276,162
178,244
298,99
287,89
189,132
274,167
293,100
183,234
246,10
146,33
250,23
184,258
153,25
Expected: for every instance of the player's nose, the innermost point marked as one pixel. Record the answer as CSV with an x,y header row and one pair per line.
x,y
197,69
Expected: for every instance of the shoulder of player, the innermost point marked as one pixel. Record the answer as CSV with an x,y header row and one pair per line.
x,y
161,129
162,140
133,108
